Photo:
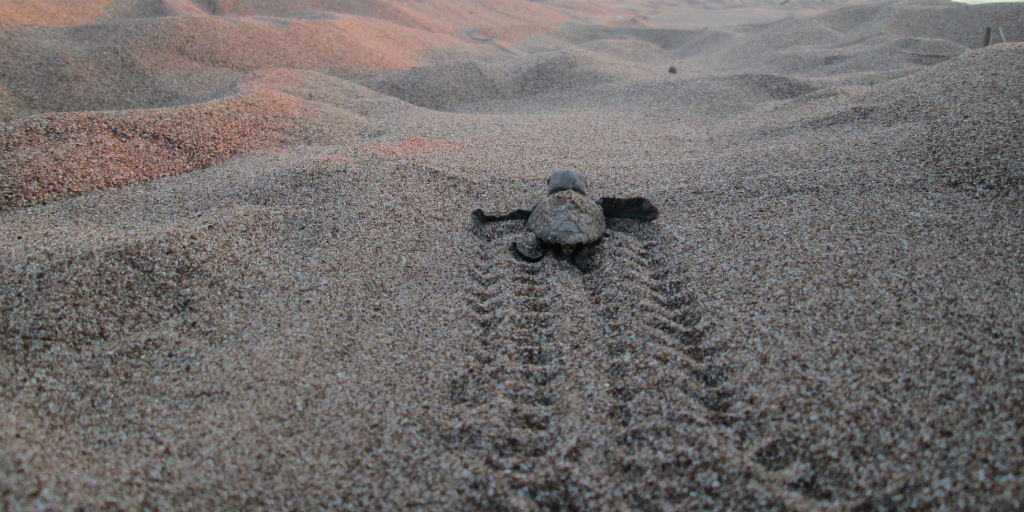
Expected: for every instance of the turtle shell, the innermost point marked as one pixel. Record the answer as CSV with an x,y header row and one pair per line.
x,y
568,219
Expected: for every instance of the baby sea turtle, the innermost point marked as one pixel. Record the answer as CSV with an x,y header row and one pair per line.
x,y
566,218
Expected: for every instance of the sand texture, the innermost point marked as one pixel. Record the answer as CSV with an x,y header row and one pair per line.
x,y
238,269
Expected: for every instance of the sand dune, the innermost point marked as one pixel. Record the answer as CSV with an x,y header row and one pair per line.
x,y
177,60
449,86
859,39
239,270
51,12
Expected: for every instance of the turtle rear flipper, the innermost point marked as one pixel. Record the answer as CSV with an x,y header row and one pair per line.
x,y
581,260
635,208
479,218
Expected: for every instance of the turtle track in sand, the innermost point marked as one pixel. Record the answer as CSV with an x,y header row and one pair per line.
x,y
572,377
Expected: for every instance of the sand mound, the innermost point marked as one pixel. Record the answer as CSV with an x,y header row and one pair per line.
x,y
87,67
958,23
52,156
348,42
572,7
177,60
438,16
958,118
384,10
438,86
569,69
971,109
848,40
771,87
639,52
450,86
682,43
121,10
50,12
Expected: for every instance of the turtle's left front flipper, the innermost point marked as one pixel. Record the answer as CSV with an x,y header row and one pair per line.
x,y
636,208
480,218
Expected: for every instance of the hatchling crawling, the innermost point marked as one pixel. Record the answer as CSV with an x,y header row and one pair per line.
x,y
568,219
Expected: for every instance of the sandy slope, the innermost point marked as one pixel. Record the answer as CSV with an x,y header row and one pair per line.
x,y
50,12
299,314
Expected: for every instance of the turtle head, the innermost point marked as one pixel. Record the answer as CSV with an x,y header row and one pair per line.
x,y
567,179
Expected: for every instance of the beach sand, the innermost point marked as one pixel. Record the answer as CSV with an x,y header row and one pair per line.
x,y
238,267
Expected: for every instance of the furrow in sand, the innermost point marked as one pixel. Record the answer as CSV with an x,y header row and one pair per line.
x,y
585,380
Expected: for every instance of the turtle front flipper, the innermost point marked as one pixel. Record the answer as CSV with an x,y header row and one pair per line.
x,y
635,208
532,257
479,218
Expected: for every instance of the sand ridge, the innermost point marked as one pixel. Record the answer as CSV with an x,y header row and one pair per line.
x,y
235,279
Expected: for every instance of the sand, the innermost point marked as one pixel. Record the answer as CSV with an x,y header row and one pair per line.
x,y
239,270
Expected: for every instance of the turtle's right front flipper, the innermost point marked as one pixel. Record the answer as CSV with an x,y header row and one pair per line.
x,y
636,208
479,218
